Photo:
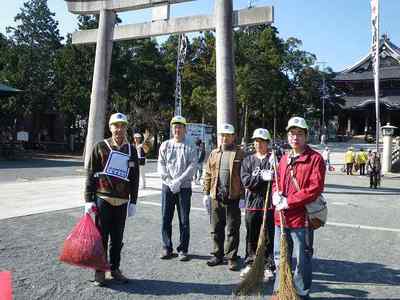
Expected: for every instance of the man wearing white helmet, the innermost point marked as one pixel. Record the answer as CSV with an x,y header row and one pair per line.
x,y
301,176
256,175
222,193
176,164
112,187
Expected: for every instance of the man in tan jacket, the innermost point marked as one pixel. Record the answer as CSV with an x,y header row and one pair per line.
x,y
222,193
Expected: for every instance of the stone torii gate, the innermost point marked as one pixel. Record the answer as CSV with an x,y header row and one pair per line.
x,y
223,20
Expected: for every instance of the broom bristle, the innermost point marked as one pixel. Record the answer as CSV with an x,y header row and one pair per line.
x,y
253,281
286,289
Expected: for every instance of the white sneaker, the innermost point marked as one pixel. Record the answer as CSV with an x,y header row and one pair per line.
x,y
268,274
244,271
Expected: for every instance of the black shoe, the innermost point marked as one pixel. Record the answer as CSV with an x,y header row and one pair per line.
x,y
165,254
215,261
118,276
99,278
183,256
233,265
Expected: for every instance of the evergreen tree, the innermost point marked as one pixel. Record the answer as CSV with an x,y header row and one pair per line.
x,y
35,41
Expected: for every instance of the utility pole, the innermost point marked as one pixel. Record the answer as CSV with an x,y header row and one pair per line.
x,y
182,47
324,95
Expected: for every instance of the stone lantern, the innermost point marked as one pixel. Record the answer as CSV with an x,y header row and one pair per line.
x,y
387,132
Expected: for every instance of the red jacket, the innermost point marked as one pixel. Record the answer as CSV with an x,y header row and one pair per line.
x,y
309,171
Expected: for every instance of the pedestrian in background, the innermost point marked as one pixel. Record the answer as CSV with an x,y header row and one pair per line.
x,y
256,175
201,154
326,156
223,190
374,170
112,184
138,141
176,165
349,159
361,161
301,176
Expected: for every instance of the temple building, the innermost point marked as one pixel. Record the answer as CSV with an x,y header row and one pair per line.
x,y
357,82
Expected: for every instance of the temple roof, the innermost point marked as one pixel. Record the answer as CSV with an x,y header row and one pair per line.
x,y
362,102
362,70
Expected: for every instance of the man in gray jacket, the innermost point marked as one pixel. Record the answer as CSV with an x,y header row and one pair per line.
x,y
176,164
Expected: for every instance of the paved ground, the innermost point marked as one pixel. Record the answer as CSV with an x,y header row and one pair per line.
x,y
356,254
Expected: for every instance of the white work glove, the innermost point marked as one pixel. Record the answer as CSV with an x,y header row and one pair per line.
x,y
242,203
90,207
279,201
266,175
276,198
131,210
207,203
282,205
175,186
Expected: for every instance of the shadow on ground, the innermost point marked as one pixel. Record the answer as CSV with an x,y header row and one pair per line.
x,y
338,272
170,288
39,163
360,190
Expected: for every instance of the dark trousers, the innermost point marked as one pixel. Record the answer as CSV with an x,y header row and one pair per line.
x,y
254,221
349,169
182,201
110,221
373,179
225,215
362,169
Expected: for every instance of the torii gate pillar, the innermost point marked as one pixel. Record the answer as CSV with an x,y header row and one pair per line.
x,y
225,72
101,76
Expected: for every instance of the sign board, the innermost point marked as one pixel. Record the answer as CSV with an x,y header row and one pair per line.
x,y
23,136
203,132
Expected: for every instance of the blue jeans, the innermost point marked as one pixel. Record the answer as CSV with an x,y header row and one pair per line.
x,y
182,201
300,245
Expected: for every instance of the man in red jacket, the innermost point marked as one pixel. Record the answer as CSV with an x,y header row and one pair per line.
x,y
306,167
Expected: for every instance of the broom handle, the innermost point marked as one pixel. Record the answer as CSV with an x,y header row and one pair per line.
x,y
266,203
281,216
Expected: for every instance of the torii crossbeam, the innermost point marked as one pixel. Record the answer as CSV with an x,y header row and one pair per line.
x,y
223,20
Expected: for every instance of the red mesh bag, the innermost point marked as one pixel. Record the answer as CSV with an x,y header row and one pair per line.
x,y
5,286
84,246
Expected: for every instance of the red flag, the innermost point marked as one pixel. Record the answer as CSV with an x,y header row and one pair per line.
x,y
5,286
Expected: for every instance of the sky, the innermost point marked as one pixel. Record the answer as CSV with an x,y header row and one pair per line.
x,y
338,32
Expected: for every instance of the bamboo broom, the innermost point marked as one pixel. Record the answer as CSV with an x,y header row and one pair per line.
x,y
286,290
253,281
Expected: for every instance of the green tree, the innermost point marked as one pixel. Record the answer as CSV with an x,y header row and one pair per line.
x,y
36,41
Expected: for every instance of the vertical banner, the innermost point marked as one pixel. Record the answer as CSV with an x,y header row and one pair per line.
x,y
375,62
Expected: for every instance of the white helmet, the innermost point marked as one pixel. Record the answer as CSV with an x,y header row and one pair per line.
x,y
137,135
261,133
226,129
297,122
178,120
118,118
